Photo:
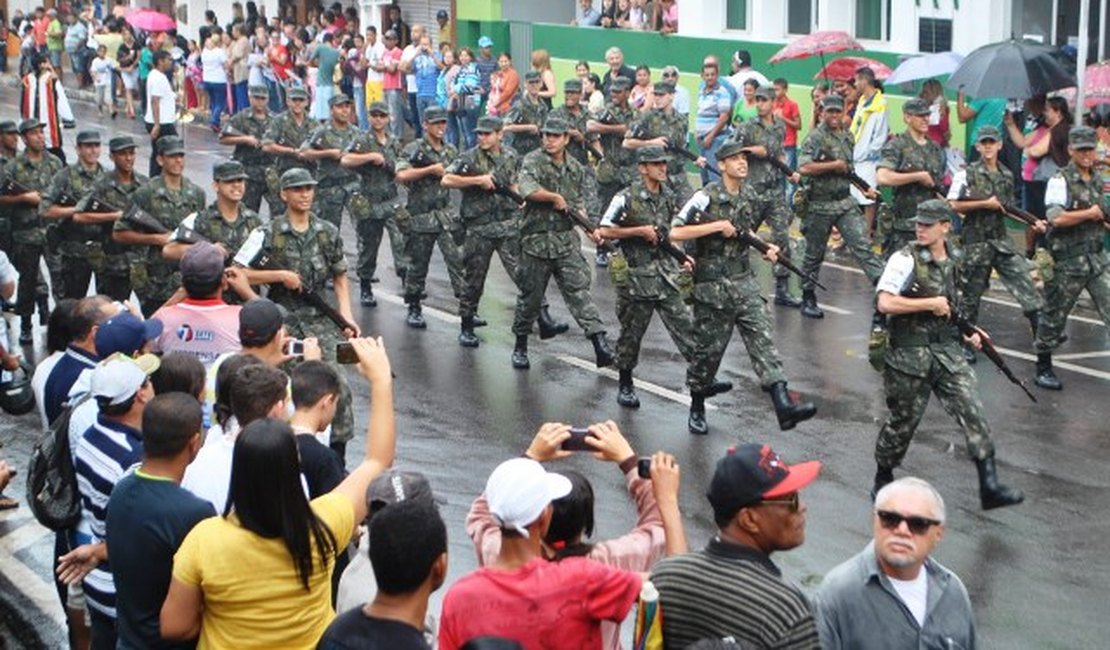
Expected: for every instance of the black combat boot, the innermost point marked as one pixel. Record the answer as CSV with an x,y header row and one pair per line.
x,y
718,387
969,354
789,412
1034,321
603,352
26,334
696,423
549,327
479,321
467,337
520,353
366,295
993,494
809,305
883,476
44,310
415,319
782,293
1046,378
626,394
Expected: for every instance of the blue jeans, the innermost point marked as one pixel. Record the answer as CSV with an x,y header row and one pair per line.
x,y
242,99
359,91
413,116
277,96
463,122
217,101
710,153
396,104
422,104
792,162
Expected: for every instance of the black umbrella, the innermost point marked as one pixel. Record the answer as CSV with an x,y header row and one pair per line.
x,y
1011,69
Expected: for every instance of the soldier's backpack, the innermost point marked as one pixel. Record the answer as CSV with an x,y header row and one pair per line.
x,y
51,480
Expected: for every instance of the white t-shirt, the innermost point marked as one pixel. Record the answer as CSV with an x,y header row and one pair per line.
x,y
38,383
100,70
374,56
896,275
158,89
212,62
407,56
914,593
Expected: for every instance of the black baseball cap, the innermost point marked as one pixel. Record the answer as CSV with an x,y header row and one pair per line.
x,y
751,473
259,321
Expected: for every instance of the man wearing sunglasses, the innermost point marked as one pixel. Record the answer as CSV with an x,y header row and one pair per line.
x,y
893,595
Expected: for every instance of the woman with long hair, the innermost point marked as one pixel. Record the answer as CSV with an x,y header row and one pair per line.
x,y
933,94
213,59
260,575
504,86
541,63
640,98
1045,149
445,92
745,109
466,86
819,91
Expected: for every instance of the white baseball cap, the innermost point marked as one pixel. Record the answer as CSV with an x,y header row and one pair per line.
x,y
119,376
519,490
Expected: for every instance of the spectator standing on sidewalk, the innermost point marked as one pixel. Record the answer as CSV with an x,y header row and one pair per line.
x,y
161,105
214,76
392,84
326,57
239,68
713,111
487,65
870,130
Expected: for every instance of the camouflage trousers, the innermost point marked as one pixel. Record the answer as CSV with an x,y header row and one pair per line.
x,y
590,193
478,253
896,240
418,253
572,276
605,194
634,314
908,395
77,271
53,259
255,190
302,322
719,307
774,212
1015,271
330,203
25,258
370,232
1070,278
817,227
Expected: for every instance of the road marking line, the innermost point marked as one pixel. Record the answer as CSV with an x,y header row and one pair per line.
x,y
646,386
1081,355
1083,370
22,537
439,314
41,594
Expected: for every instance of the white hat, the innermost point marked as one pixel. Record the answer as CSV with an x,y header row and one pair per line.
x,y
119,376
518,491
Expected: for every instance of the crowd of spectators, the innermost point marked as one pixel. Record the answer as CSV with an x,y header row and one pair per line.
x,y
639,15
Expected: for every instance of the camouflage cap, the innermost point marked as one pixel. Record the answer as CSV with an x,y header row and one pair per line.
x,y
730,149
8,126
258,90
29,124
933,211
489,124
296,177
1082,137
121,143
434,114
620,84
88,137
378,108
662,88
532,75
296,92
765,92
652,154
339,99
572,86
555,125
915,106
988,132
832,102
170,145
229,170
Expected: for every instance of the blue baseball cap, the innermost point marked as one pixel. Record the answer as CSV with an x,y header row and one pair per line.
x,y
485,41
126,334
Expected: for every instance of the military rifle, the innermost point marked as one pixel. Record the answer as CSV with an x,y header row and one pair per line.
x,y
639,132
13,187
135,217
967,329
500,187
367,168
855,179
578,219
662,242
758,244
1008,209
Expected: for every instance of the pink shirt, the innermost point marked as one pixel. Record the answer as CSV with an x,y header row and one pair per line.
x,y
391,80
204,328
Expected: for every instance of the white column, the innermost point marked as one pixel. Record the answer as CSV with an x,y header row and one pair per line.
x,y
1052,27
1101,29
1081,59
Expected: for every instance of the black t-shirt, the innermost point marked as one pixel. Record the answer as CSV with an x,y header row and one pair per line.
x,y
354,629
322,469
148,518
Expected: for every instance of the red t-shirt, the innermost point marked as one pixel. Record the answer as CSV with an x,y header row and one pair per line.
x,y
789,110
391,80
543,605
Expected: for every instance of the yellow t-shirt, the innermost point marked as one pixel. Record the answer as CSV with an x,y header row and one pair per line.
x,y
252,596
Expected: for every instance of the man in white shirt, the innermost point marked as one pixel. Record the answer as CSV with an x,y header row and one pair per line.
x,y
374,77
742,70
407,56
161,105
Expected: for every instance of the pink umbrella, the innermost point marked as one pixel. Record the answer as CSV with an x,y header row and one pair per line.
x,y
1097,82
817,44
845,67
149,20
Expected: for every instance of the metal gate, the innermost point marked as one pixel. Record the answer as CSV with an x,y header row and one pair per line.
x,y
520,44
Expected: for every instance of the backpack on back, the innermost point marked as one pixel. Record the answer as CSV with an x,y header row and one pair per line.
x,y
51,480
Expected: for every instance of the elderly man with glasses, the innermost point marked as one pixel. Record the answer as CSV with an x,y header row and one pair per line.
x,y
893,595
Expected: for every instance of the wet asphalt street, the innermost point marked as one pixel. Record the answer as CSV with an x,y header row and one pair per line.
x,y
1033,571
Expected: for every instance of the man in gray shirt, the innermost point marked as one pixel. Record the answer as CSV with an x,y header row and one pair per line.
x,y
893,595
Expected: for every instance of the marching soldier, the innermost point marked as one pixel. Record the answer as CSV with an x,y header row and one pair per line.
x,y
226,222
616,170
168,198
980,193
326,146
663,126
581,140
9,142
825,157
282,141
115,190
246,130
1077,210
726,294
80,247
913,165
918,291
524,120
552,183
33,169
375,203
432,220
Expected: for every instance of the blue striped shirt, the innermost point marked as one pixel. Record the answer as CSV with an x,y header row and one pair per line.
x,y
61,379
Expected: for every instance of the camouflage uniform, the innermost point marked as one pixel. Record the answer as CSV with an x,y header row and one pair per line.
x,y
986,244
28,229
254,159
579,150
549,245
153,277
830,204
618,169
374,206
652,277
336,182
675,128
80,246
902,154
432,221
765,183
1081,259
116,279
211,224
925,357
526,111
726,295
284,130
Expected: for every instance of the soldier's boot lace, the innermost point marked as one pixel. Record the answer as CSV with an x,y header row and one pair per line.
x,y
782,293
993,494
415,319
549,327
718,387
809,306
603,352
1046,378
696,423
44,310
520,352
626,393
969,354
366,296
467,337
883,476
789,412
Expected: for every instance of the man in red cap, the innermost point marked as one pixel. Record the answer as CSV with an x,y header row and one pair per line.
x,y
731,588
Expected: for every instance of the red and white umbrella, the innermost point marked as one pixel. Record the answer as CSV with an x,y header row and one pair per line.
x,y
845,67
1097,86
817,44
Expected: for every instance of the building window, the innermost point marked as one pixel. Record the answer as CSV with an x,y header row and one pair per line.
x,y
934,35
799,16
736,14
873,19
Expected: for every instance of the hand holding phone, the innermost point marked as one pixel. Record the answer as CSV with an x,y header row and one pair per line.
x,y
294,348
577,440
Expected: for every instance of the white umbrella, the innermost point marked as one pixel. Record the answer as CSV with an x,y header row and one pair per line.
x,y
925,67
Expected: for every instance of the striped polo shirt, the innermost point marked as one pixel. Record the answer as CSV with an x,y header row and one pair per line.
x,y
728,590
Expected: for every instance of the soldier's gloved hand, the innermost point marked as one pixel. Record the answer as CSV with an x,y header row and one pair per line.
x,y
545,446
290,280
